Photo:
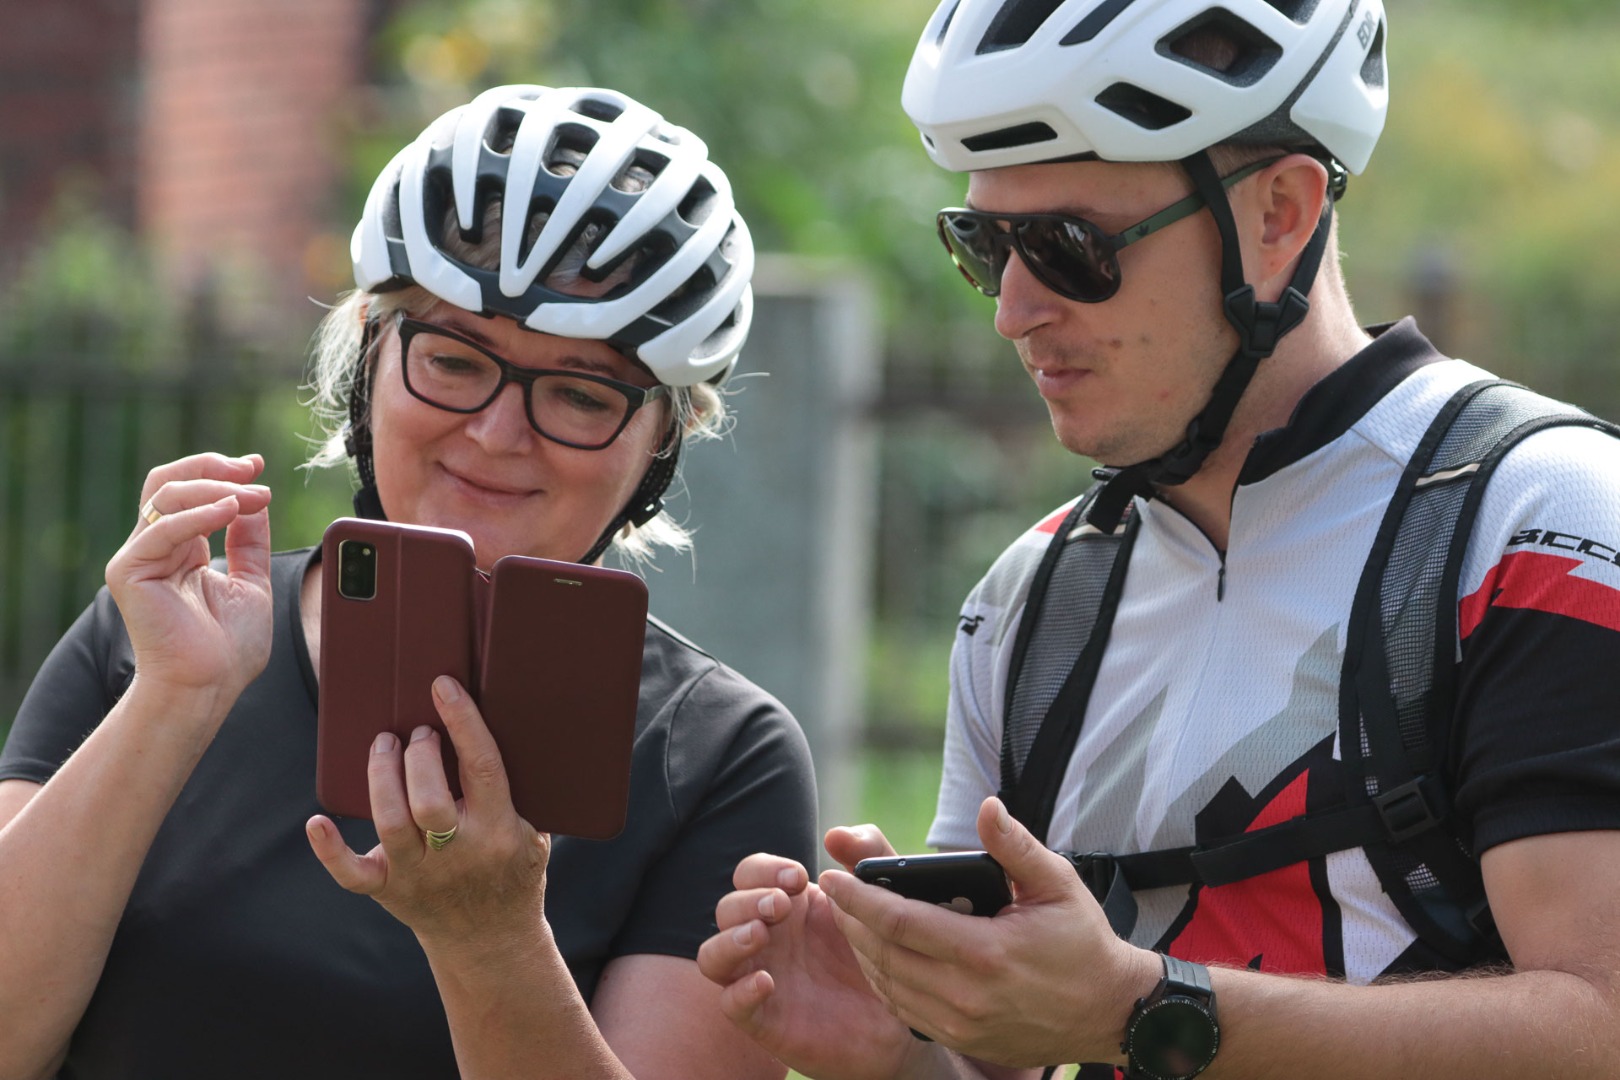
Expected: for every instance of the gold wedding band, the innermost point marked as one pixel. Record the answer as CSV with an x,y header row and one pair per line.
x,y
151,513
437,840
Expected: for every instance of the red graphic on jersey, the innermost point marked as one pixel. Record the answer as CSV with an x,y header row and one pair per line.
x,y
1275,918
1050,525
1529,579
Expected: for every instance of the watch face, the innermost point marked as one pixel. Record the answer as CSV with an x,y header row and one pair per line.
x,y
1171,1038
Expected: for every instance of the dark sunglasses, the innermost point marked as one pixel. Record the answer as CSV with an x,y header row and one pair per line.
x,y
1073,257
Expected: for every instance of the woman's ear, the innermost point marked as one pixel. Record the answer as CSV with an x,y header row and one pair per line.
x,y
1286,200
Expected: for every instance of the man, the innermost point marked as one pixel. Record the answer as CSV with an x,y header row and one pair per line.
x,y
1258,441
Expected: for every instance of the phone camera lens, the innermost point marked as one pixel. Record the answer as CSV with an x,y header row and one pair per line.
x,y
357,570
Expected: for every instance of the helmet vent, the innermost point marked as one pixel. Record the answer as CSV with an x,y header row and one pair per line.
x,y
1006,138
638,174
502,131
945,23
570,145
1095,23
536,214
698,204
1016,23
1141,107
598,109
1372,69
1225,46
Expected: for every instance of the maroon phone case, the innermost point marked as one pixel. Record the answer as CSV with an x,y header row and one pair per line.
x,y
379,657
551,651
561,677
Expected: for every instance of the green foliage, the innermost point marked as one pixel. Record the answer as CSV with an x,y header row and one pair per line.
x,y
88,289
798,101
1495,177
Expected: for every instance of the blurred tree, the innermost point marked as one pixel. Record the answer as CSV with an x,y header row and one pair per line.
x,y
1497,164
797,100
87,291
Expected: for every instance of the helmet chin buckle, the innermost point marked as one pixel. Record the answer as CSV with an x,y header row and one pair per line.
x,y
646,512
1261,324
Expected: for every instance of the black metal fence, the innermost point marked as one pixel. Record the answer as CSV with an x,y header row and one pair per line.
x,y
75,446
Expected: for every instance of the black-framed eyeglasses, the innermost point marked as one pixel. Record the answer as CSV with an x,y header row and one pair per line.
x,y
573,408
1073,257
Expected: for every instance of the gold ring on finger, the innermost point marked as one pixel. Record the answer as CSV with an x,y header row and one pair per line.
x,y
437,840
151,513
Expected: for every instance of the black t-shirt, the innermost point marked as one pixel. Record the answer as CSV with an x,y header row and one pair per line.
x,y
239,956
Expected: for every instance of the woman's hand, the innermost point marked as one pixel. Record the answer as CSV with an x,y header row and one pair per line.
x,y
192,627
487,882
790,979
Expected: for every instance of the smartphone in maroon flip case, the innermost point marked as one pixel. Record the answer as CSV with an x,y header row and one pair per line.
x,y
380,655
550,651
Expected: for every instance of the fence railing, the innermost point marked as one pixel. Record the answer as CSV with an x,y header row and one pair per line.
x,y
74,450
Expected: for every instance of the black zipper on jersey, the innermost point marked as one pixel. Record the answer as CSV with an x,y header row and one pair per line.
x,y
1220,574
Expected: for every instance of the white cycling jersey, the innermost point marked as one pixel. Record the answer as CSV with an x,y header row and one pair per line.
x,y
1216,708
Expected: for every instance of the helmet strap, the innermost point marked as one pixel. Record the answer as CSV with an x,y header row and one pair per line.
x,y
357,436
1260,326
647,501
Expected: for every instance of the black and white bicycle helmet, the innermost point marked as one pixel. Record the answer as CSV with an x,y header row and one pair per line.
x,y
562,158
1006,82
997,83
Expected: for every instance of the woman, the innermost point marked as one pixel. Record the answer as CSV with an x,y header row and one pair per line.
x,y
163,913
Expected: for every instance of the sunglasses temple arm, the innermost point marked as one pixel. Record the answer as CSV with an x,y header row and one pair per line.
x,y
1186,207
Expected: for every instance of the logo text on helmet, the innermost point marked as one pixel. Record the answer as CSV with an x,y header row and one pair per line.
x,y
1368,27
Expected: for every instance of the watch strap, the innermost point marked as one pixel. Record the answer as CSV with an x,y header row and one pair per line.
x,y
1186,977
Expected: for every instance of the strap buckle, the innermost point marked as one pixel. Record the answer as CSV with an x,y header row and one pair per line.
x,y
1406,810
1104,878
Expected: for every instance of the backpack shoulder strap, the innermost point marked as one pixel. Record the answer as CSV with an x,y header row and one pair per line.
x,y
1056,653
1398,691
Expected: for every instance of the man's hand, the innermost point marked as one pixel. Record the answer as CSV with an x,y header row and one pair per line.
x,y
1045,981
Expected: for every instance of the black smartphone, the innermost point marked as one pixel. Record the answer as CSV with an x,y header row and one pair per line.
x,y
970,882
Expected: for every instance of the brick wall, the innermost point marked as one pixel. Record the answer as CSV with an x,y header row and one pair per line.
x,y
240,152
69,108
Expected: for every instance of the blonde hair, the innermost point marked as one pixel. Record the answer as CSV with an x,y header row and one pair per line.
x,y
698,412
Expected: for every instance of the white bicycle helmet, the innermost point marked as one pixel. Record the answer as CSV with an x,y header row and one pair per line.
x,y
1009,82
564,157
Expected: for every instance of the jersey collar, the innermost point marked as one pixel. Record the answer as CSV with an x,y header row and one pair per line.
x,y
1344,396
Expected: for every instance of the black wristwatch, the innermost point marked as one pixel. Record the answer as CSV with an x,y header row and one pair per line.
x,y
1172,1033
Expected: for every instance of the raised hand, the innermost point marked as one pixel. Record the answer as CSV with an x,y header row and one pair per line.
x,y
192,627
789,978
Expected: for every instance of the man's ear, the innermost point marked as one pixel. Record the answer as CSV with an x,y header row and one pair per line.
x,y
1285,201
